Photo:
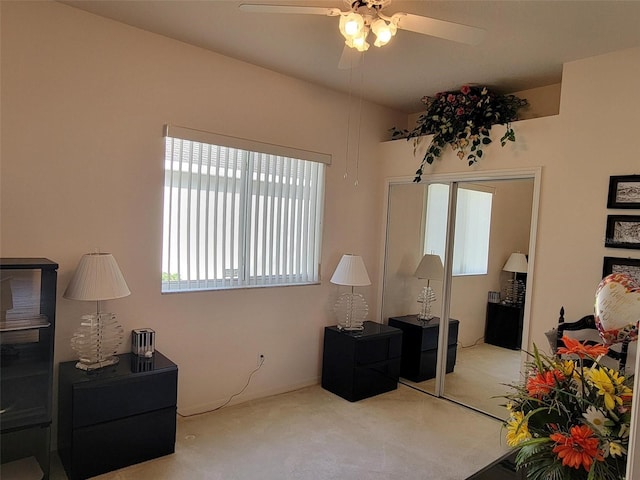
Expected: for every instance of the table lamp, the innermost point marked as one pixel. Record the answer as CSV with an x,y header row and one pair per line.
x,y
351,308
97,278
429,268
517,263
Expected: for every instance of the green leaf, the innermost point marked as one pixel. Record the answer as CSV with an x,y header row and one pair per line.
x,y
486,140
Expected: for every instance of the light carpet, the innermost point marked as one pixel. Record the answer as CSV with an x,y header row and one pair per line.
x,y
479,378
311,434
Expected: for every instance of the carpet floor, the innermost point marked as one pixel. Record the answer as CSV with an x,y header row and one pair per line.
x,y
479,378
312,434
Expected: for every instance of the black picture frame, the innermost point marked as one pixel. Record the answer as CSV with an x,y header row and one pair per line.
x,y
623,231
624,191
630,266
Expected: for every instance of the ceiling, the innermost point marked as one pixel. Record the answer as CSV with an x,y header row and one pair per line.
x,y
525,45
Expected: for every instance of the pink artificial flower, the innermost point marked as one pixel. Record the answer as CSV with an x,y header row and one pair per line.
x,y
459,111
465,89
451,98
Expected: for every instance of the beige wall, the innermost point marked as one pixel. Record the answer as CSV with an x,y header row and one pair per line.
x,y
84,100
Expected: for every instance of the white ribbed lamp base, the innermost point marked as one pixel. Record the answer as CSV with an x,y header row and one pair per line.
x,y
426,298
351,310
97,340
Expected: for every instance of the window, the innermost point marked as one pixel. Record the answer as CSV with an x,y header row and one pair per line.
x,y
472,229
239,213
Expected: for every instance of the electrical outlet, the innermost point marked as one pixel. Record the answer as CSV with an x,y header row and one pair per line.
x,y
261,358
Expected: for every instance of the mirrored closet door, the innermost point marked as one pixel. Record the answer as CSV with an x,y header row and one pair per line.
x,y
473,226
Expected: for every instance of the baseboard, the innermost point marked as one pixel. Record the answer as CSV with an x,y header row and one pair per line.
x,y
209,406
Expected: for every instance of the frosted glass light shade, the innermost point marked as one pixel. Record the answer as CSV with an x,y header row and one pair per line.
x,y
517,263
351,25
97,277
351,271
430,268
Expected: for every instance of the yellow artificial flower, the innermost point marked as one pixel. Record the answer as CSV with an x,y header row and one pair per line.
x,y
616,450
609,384
517,429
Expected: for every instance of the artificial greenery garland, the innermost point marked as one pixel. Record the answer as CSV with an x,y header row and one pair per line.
x,y
463,119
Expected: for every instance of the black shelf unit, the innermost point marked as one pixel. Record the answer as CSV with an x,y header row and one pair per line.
x,y
27,333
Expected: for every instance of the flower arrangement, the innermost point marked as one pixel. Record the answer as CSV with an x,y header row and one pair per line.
x,y
568,420
462,119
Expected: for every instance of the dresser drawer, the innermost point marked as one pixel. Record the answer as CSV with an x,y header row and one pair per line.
x,y
378,350
430,335
108,446
97,402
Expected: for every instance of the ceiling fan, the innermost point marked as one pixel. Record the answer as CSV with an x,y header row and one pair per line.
x,y
365,16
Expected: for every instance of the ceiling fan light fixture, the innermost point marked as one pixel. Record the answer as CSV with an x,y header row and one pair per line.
x,y
383,31
351,25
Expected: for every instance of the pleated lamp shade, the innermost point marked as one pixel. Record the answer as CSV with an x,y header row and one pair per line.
x,y
351,271
430,268
517,263
97,277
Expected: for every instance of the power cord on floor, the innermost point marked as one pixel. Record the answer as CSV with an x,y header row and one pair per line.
x,y
472,345
231,397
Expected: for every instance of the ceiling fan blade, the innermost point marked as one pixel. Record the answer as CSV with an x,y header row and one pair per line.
x,y
350,58
255,8
440,28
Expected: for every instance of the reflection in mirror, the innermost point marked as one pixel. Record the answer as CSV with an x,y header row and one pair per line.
x,y
493,220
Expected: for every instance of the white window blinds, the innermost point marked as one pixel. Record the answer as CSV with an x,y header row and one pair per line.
x,y
239,217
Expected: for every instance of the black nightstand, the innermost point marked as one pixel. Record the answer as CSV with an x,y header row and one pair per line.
x,y
504,325
361,364
420,346
116,416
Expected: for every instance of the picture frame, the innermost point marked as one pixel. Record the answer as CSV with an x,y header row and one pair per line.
x,y
624,191
630,266
623,231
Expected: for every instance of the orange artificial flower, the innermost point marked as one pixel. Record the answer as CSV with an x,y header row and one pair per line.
x,y
542,383
578,449
581,349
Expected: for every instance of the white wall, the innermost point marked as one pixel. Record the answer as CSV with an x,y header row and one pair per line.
x,y
84,100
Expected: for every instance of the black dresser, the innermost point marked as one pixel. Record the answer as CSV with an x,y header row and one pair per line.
x,y
420,346
361,364
116,416
503,327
